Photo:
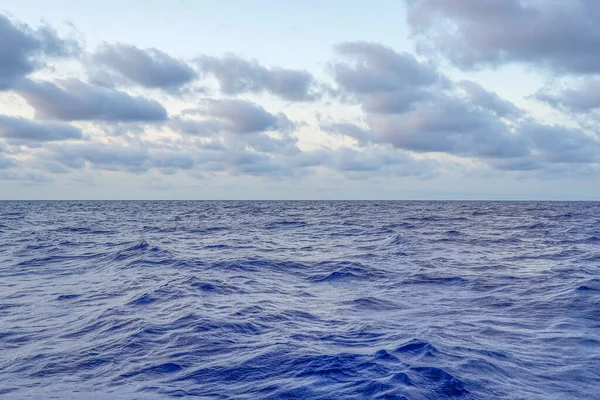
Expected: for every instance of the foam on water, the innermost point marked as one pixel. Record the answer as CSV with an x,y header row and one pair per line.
x,y
299,300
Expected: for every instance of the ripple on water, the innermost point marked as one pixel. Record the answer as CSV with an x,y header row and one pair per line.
x,y
299,300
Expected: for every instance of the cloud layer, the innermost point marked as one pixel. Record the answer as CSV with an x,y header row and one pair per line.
x,y
150,68
561,36
24,130
411,106
23,50
238,76
74,100
129,110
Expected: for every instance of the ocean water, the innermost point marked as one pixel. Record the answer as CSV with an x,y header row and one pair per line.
x,y
299,300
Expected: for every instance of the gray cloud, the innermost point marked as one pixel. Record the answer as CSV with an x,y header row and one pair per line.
x,y
371,160
25,176
383,80
449,125
117,157
24,130
238,126
256,154
455,128
578,96
363,136
7,162
74,100
244,116
142,157
150,68
349,162
194,127
434,114
410,105
239,116
237,76
557,144
23,50
490,101
559,35
523,164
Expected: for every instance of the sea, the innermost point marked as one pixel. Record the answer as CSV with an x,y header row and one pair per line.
x,y
299,300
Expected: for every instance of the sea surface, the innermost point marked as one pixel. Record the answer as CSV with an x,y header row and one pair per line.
x,y
300,300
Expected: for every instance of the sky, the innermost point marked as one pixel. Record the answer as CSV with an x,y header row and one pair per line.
x,y
290,99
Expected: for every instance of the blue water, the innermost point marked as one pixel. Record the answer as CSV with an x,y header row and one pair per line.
x,y
299,300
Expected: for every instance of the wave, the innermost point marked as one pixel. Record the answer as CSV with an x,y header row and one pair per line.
x,y
299,300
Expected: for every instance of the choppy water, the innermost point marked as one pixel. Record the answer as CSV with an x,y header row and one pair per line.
x,y
300,300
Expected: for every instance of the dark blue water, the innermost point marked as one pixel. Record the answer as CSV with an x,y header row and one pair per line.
x,y
300,300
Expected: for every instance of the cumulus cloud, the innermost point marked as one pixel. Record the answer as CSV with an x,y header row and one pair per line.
x,y
352,163
435,115
377,160
407,105
74,100
362,135
489,100
410,105
237,76
381,79
235,115
24,50
117,157
25,176
7,162
244,116
447,125
150,68
557,144
24,130
195,127
562,36
144,156
579,96
237,126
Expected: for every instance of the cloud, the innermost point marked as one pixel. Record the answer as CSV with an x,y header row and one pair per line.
x,y
410,105
557,144
364,163
194,127
562,36
118,157
144,156
356,164
381,79
362,135
455,128
150,68
74,100
239,116
24,50
237,126
489,100
579,96
238,76
450,125
25,176
24,130
252,154
7,162
432,114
